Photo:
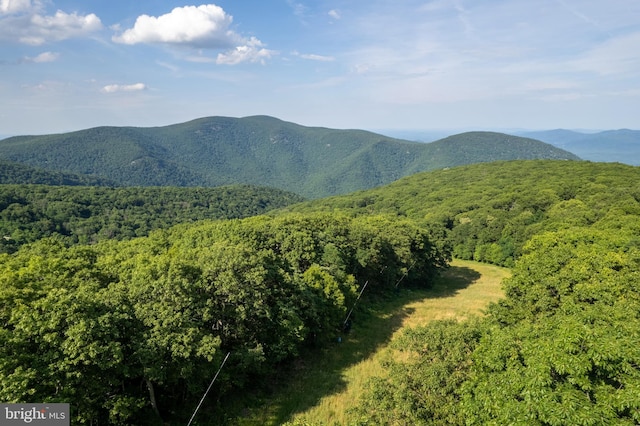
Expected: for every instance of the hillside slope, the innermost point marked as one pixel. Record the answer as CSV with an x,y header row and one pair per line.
x,y
87,214
16,173
261,150
489,211
485,147
622,146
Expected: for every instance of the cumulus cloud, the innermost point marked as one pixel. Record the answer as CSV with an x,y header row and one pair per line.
x,y
334,14
251,51
31,27
113,88
206,26
201,26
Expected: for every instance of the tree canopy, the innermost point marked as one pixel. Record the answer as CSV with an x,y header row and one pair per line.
x,y
131,330
561,347
89,214
489,211
129,323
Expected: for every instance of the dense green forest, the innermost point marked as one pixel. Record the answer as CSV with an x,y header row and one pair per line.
x,y
131,331
311,161
563,347
491,210
17,173
89,214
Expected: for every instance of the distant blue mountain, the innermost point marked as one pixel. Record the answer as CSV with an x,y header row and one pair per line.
x,y
622,146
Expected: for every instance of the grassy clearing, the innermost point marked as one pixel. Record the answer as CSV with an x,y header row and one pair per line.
x,y
325,385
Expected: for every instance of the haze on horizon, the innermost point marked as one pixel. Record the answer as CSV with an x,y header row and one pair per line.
x,y
381,64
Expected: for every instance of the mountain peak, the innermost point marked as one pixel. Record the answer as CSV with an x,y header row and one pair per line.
x,y
262,150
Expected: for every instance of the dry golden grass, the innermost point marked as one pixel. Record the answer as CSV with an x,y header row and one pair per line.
x,y
467,300
326,386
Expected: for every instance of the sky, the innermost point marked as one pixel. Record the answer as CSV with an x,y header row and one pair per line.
x,y
377,64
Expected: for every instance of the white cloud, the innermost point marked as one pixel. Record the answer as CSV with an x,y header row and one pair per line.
x,y
36,29
201,26
14,6
252,51
205,26
46,57
113,88
43,57
334,14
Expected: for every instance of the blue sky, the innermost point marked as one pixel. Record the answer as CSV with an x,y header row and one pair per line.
x,y
376,64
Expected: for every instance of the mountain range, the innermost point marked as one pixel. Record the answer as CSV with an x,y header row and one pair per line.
x,y
610,146
621,146
260,150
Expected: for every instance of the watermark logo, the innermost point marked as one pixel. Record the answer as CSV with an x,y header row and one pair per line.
x,y
37,414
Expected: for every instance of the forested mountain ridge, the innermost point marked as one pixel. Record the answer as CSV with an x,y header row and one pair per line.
x,y
260,150
82,214
621,145
484,147
16,173
491,210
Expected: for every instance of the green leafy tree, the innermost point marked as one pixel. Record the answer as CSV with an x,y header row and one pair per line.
x,y
132,331
561,348
425,373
